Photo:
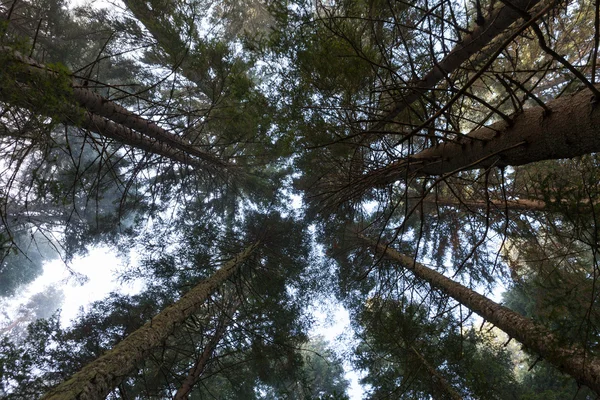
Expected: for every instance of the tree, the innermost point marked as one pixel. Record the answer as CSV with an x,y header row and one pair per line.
x,y
40,305
571,360
425,153
408,356
531,136
259,336
441,130
100,377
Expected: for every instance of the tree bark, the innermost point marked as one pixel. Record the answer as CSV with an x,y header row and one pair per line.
x,y
516,204
525,204
493,25
439,382
16,322
570,129
97,379
571,360
198,369
125,124
122,134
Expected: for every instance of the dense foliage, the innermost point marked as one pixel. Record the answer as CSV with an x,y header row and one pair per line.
x,y
298,141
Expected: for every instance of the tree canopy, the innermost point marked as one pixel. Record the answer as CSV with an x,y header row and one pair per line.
x,y
430,166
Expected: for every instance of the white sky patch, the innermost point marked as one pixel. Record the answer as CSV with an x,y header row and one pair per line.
x,y
100,266
332,322
97,4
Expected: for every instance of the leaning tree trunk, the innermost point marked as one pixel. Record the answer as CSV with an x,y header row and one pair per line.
x,y
571,360
441,385
514,204
568,127
200,365
122,134
98,378
490,27
98,114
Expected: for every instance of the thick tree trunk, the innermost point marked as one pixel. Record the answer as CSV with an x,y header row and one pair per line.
x,y
98,378
129,125
517,204
493,25
571,360
96,104
122,134
571,129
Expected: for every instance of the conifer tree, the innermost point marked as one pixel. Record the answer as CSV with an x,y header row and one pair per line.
x,y
444,130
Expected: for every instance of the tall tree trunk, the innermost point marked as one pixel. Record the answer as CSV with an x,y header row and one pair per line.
x,y
440,383
491,26
129,126
571,360
122,134
99,377
200,365
16,322
583,205
570,127
516,204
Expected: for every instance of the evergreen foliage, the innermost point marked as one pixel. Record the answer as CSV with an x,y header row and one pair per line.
x,y
298,141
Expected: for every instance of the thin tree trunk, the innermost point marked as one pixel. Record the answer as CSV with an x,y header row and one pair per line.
x,y
98,378
129,126
515,204
571,360
198,369
16,322
570,127
442,385
493,25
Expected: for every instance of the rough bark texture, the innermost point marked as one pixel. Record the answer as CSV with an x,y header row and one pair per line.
x,y
98,378
556,205
120,133
493,25
570,360
96,105
571,129
518,204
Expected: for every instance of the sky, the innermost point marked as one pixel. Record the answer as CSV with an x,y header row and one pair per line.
x,y
333,323
100,266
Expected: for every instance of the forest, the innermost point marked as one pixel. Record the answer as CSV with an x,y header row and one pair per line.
x,y
428,165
